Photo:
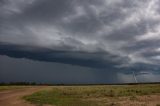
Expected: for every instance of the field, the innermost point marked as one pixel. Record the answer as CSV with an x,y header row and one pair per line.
x,y
3,88
111,95
95,95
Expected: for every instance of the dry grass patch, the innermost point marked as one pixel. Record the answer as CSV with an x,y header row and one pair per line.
x,y
109,95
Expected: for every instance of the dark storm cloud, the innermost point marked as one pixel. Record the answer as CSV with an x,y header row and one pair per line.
x,y
113,34
93,60
50,10
14,70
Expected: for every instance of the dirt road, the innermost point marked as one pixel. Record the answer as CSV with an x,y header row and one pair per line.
x,y
14,97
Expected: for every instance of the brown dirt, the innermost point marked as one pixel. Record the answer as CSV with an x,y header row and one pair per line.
x,y
146,100
14,97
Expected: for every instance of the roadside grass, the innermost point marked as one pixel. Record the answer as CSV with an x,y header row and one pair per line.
x,y
57,97
3,88
87,95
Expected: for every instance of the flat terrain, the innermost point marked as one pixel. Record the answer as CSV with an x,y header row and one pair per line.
x,y
12,95
102,95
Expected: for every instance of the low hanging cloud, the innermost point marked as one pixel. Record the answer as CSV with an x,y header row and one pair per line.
x,y
117,34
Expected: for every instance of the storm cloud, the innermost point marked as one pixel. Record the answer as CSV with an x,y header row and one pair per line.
x,y
116,35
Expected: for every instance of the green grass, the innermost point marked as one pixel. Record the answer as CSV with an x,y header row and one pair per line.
x,y
87,95
57,97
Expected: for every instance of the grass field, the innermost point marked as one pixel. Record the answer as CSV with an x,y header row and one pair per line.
x,y
105,95
3,88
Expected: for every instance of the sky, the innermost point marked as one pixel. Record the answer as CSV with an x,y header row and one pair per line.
x,y
79,41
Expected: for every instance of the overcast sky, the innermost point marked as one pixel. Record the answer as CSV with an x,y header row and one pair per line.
x,y
79,41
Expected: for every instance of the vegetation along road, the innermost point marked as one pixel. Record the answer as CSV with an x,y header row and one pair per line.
x,y
95,95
